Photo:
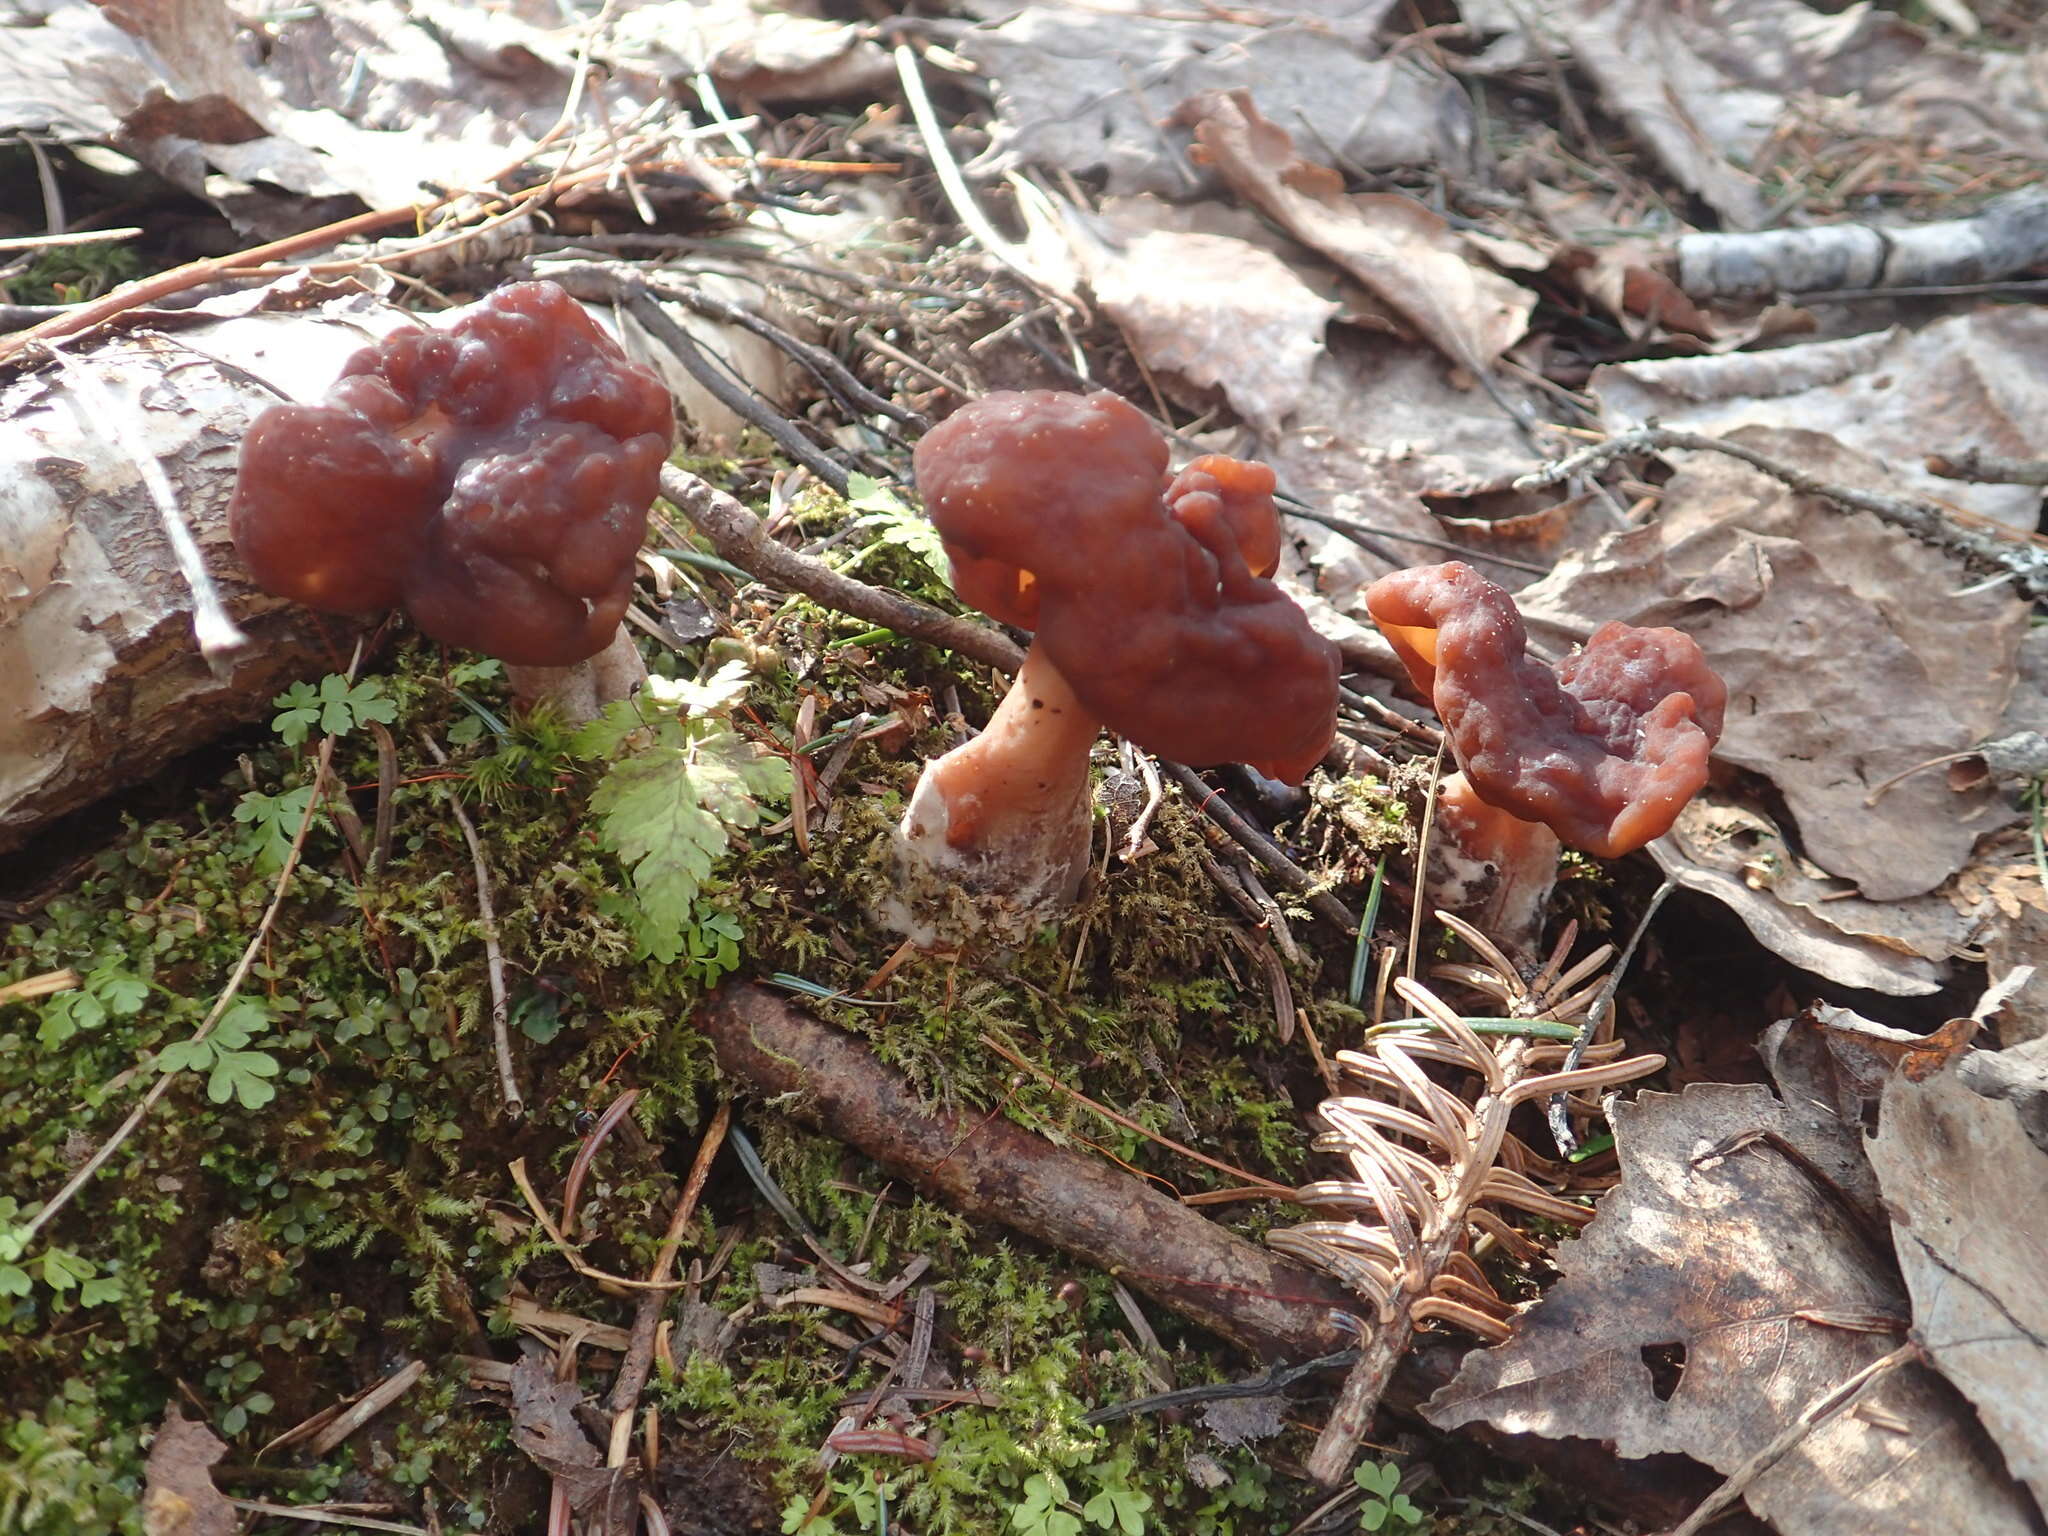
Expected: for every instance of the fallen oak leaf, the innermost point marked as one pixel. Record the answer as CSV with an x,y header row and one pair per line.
x,y
1729,1254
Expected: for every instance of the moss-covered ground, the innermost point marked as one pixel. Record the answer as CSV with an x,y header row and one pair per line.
x,y
323,1193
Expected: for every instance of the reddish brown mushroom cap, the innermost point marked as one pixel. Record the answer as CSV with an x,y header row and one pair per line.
x,y
493,476
1059,517
1605,751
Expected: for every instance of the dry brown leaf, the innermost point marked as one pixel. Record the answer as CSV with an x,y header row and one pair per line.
x,y
1381,409
1729,1254
1732,852
1218,310
178,1497
1399,249
1842,668
1970,381
1968,1193
1091,88
544,1426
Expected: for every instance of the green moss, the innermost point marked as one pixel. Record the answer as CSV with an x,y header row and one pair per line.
x,y
261,1261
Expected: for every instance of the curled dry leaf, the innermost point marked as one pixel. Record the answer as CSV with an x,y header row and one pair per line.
x,y
1968,1195
1730,850
1399,249
1970,381
1841,671
1733,1259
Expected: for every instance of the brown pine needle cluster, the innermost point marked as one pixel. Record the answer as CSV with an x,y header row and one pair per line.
x,y
1433,1167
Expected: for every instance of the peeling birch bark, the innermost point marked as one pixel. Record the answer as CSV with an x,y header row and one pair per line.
x,y
101,678
2009,236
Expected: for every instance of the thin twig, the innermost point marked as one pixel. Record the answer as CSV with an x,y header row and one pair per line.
x,y
162,1086
955,186
1560,1121
737,535
494,956
1988,468
641,303
1155,796
639,1362
1986,544
1278,1379
589,1271
1263,848
366,1408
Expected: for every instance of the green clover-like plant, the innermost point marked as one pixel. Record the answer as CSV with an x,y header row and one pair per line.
x,y
335,705
233,1070
1385,1509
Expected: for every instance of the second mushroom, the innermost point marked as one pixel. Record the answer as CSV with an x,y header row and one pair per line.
x,y
1599,754
1152,614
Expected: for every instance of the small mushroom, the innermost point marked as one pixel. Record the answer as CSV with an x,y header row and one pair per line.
x,y
1602,752
492,476
1152,614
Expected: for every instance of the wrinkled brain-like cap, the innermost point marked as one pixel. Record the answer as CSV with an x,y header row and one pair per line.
x,y
493,476
1145,591
1605,751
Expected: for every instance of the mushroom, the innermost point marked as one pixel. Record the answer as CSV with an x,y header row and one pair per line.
x,y
1601,753
492,476
1152,615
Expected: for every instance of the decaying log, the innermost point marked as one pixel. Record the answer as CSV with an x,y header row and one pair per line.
x,y
990,1168
101,678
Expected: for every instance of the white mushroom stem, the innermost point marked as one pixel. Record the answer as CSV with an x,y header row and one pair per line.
x,y
580,693
1496,868
1006,817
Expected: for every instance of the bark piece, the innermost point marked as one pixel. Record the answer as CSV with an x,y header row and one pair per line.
x,y
100,679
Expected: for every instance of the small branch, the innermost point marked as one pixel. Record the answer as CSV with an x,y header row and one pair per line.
x,y
736,534
494,957
1988,468
991,1169
1925,521
639,1362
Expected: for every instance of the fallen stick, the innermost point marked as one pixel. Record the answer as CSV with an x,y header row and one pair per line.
x,y
985,1166
737,536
